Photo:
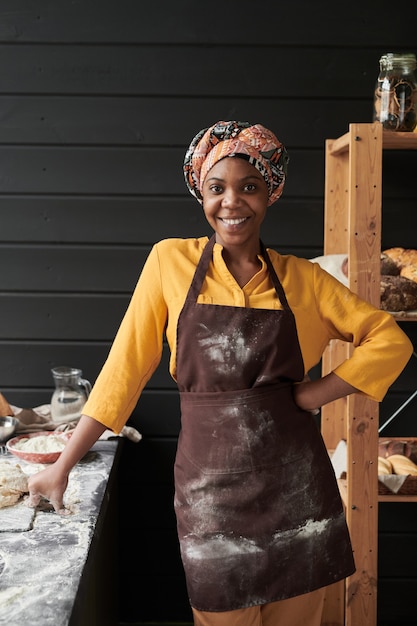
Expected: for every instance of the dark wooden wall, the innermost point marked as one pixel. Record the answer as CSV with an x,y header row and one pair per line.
x,y
98,101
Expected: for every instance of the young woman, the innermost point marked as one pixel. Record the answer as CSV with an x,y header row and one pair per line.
x,y
260,521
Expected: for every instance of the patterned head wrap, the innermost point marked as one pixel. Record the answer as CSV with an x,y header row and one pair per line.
x,y
252,142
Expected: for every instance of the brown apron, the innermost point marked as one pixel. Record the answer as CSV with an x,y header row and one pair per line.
x,y
258,508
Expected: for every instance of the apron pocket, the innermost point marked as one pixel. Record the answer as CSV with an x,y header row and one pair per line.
x,y
230,432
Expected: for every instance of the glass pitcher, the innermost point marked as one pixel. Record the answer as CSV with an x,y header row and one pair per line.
x,y
70,395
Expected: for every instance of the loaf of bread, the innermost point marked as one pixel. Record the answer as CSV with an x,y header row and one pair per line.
x,y
407,447
5,408
384,466
392,446
388,266
398,293
402,465
410,272
402,256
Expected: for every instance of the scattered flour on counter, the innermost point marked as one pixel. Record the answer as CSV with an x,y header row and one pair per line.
x,y
10,595
41,443
42,568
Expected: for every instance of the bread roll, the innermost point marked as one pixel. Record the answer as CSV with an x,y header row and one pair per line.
x,y
402,465
408,257
5,408
410,272
402,256
395,255
384,466
389,446
398,294
388,266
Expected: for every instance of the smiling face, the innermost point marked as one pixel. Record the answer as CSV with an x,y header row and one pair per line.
x,y
235,198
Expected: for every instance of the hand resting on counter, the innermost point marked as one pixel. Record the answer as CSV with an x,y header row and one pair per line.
x,y
52,482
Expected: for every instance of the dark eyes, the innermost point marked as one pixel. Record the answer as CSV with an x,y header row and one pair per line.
x,y
218,189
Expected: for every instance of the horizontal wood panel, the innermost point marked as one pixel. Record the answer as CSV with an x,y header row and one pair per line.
x,y
404,424
160,515
159,555
62,21
61,317
395,601
395,517
125,170
157,414
154,170
28,363
104,120
397,555
143,221
290,224
151,461
126,220
70,269
166,70
74,22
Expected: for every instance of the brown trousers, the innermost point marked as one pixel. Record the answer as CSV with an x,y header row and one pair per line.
x,y
305,610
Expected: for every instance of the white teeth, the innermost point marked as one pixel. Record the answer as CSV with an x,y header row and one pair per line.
x,y
233,222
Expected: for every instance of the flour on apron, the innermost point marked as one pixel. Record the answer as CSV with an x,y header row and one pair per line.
x,y
258,508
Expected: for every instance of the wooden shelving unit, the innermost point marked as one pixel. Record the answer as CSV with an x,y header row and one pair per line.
x,y
353,222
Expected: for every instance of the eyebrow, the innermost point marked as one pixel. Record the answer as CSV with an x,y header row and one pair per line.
x,y
249,177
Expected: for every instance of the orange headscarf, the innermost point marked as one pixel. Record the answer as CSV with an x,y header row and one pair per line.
x,y
252,142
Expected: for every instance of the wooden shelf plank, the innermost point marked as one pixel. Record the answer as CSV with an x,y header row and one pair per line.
x,y
391,140
342,482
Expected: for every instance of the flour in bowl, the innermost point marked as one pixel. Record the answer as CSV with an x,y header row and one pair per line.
x,y
41,444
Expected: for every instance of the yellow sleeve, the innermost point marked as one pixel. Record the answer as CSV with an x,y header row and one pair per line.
x,y
135,352
381,348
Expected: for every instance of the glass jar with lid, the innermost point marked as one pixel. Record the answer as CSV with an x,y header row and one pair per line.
x,y
395,99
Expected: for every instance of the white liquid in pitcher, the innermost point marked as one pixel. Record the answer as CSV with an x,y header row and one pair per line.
x,y
67,406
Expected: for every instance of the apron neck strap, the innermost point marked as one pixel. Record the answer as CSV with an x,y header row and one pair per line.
x,y
201,271
202,267
275,280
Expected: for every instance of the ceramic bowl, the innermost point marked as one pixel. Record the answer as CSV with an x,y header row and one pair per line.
x,y
14,447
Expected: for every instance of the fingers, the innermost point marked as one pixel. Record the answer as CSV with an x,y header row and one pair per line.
x,y
59,507
46,490
36,500
33,500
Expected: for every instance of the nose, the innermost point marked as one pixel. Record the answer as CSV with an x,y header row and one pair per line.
x,y
231,198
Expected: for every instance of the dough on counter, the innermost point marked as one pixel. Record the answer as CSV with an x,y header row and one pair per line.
x,y
13,483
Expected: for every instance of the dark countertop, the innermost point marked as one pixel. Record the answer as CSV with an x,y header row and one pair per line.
x,y
41,567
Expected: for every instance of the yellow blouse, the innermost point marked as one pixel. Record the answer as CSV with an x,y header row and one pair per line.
x,y
324,309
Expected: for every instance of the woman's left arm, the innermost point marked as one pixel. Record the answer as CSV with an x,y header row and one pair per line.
x,y
310,395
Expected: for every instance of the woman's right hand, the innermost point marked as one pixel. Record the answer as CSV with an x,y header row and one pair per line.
x,y
51,484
